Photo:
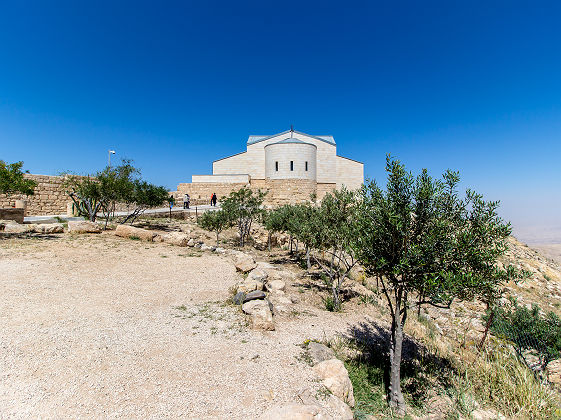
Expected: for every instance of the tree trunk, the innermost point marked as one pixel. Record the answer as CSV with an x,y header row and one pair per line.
x,y
308,264
217,233
269,241
487,326
397,402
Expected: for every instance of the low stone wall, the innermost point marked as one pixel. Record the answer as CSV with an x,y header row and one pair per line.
x,y
12,214
200,192
324,188
49,198
289,191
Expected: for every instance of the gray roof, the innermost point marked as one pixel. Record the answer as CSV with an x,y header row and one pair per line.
x,y
291,140
256,139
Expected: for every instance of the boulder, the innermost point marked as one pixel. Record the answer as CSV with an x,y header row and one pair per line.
x,y
244,262
341,410
256,294
249,285
176,238
49,228
258,275
83,226
254,305
336,379
238,299
319,352
16,228
191,243
262,318
294,412
276,286
125,231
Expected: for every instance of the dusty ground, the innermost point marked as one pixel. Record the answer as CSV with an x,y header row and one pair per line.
x,y
97,326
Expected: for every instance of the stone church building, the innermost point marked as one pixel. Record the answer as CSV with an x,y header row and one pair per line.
x,y
291,165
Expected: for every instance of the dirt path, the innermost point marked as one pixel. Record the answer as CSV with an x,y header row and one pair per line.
x,y
104,327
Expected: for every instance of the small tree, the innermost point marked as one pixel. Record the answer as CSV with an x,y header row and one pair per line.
x,y
144,196
332,229
244,206
215,221
277,221
12,180
421,240
528,330
86,194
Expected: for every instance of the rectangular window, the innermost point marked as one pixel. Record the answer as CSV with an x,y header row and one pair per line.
x,y
306,166
276,166
291,165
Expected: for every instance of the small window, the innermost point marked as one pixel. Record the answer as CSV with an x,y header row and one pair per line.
x,y
291,165
306,166
276,166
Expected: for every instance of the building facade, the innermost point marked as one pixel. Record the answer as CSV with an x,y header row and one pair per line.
x,y
290,165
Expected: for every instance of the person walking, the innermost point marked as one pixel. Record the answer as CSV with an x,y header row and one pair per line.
x,y
186,201
213,200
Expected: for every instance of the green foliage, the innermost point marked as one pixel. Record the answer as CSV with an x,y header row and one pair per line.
x,y
118,184
527,329
12,180
215,221
244,207
418,237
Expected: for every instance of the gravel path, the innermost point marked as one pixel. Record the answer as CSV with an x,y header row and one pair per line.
x,y
97,326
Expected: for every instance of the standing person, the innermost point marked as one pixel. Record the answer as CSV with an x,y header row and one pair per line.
x,y
186,201
214,199
211,198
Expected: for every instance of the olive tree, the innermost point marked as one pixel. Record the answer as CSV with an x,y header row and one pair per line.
x,y
12,180
426,245
244,207
215,221
331,231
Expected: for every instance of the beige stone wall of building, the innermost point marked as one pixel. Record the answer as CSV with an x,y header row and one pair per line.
x,y
237,164
49,198
323,189
284,153
350,173
289,191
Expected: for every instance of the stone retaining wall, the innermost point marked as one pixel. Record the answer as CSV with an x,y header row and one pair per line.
x,y
49,198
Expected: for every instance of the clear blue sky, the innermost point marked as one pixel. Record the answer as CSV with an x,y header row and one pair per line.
x,y
473,86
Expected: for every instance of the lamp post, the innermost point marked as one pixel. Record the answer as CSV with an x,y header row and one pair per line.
x,y
109,153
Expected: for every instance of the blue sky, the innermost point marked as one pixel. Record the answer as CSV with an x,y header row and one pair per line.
x,y
473,86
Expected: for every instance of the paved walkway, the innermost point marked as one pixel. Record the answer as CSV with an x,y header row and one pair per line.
x,y
51,218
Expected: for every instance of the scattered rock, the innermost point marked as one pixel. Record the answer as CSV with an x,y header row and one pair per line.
x,y
238,299
294,412
48,228
176,238
266,266
262,318
276,286
244,262
341,410
253,305
485,415
258,275
319,352
191,242
249,285
17,228
256,294
336,379
125,231
83,226
205,247
219,250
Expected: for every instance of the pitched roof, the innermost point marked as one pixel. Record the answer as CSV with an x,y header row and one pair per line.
x,y
256,139
291,140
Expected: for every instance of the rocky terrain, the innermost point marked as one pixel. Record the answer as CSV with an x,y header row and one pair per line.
x,y
156,321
